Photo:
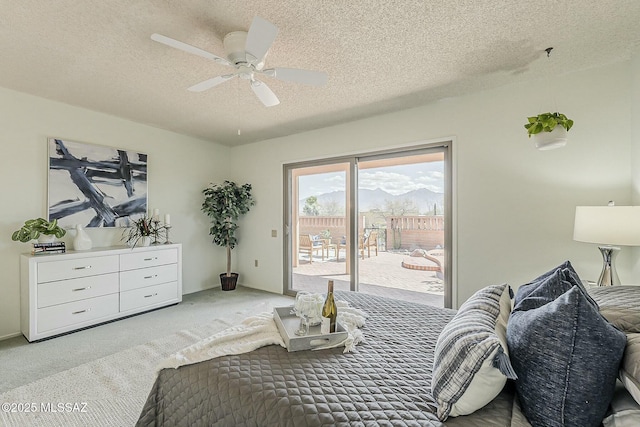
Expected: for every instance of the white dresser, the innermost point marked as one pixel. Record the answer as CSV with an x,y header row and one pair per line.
x,y
64,292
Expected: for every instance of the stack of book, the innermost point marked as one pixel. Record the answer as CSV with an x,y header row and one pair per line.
x,y
48,248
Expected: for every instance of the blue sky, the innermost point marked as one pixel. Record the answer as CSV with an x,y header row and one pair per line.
x,y
392,179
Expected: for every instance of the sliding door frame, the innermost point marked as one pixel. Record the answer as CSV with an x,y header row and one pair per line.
x,y
446,147
288,225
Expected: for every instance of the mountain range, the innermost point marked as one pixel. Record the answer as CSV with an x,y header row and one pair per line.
x,y
422,199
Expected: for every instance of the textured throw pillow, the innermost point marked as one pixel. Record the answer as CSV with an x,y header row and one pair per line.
x,y
630,367
471,363
564,273
566,356
620,305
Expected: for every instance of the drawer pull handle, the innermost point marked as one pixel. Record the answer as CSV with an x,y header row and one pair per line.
x,y
151,277
152,295
81,289
82,268
151,259
82,311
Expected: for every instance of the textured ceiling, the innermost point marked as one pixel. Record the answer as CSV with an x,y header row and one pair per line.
x,y
380,55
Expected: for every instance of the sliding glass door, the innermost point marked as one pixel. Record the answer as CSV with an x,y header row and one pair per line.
x,y
376,223
319,226
401,226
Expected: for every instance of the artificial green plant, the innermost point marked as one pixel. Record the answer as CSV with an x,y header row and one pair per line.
x,y
546,122
224,204
33,228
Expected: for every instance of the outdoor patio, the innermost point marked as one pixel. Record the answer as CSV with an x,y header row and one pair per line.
x,y
379,275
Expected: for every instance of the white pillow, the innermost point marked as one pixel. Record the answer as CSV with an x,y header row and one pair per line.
x,y
625,412
471,360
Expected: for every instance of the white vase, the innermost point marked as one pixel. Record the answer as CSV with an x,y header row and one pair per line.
x,y
549,140
46,238
144,241
82,241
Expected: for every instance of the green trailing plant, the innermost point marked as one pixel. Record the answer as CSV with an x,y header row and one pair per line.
x,y
546,122
224,204
142,227
33,228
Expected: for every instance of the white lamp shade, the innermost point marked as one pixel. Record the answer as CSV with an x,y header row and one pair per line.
x,y
608,225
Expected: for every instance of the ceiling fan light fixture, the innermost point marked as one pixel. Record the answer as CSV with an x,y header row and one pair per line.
x,y
245,72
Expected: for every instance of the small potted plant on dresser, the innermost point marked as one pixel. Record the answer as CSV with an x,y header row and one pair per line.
x,y
38,228
549,130
140,231
224,204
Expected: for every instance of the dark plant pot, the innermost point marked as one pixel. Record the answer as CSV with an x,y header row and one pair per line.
x,y
228,282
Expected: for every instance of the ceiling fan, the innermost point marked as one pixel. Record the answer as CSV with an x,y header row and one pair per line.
x,y
246,53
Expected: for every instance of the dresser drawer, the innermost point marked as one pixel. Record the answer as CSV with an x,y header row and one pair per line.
x,y
150,295
77,312
148,259
60,292
73,268
134,279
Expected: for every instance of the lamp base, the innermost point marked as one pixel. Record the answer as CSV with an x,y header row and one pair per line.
x,y
609,275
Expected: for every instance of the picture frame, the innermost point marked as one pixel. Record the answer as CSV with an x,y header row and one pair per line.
x,y
95,185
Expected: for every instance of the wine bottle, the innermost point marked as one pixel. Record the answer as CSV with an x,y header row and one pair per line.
x,y
329,312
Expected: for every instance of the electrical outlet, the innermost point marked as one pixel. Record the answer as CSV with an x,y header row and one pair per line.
x,y
274,233
256,263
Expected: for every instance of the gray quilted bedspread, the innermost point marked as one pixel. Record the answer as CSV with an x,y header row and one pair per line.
x,y
619,305
386,381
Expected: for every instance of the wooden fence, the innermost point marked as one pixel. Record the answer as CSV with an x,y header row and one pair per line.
x,y
400,232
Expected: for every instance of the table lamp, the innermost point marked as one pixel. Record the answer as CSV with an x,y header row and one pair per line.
x,y
608,226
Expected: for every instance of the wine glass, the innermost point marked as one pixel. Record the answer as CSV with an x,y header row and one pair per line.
x,y
305,307
314,307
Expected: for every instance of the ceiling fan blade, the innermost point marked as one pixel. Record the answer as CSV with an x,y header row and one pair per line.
x,y
261,35
264,94
188,48
308,77
208,84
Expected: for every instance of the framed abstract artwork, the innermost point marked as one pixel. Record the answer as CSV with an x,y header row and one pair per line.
x,y
95,186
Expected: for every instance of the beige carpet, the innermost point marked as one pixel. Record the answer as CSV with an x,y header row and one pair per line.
x,y
110,391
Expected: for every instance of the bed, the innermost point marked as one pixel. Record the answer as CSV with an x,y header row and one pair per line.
x,y
385,381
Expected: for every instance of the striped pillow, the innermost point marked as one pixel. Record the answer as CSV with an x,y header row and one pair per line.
x,y
471,362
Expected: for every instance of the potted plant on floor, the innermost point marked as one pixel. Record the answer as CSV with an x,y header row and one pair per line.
x,y
224,204
37,229
549,130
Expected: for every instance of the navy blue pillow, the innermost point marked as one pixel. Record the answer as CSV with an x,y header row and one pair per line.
x,y
566,264
564,277
566,355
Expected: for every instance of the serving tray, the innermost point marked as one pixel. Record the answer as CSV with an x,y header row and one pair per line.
x,y
288,323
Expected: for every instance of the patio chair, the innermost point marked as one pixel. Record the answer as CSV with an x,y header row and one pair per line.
x,y
367,242
308,244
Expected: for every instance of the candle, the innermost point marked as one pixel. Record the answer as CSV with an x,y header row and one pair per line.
x,y
167,219
156,214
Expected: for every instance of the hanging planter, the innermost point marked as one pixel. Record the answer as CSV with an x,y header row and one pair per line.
x,y
549,130
549,140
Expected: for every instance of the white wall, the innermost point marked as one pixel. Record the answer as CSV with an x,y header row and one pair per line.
x,y
179,168
515,205
635,145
